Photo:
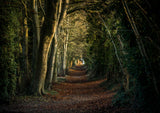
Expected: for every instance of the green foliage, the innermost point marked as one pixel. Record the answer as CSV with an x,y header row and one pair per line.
x,y
101,52
123,98
52,92
8,54
101,58
110,85
61,79
141,72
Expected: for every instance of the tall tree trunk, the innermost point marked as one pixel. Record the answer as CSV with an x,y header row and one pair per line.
x,y
25,78
65,4
58,61
65,55
125,69
36,35
47,34
60,15
50,71
65,50
55,71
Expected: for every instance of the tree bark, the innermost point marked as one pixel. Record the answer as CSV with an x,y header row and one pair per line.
x,y
126,85
25,78
50,71
55,71
71,63
65,50
60,16
58,61
36,35
65,54
65,4
47,33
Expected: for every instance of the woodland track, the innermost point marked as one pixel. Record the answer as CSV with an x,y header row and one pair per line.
x,y
75,95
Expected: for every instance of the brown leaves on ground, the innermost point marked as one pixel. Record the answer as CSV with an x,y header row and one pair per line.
x,y
76,95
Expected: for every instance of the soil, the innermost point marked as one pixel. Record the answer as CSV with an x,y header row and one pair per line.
x,y
75,95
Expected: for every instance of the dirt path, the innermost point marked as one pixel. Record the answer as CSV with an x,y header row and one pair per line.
x,y
75,95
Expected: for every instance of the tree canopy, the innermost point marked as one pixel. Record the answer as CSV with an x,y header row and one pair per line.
x,y
117,40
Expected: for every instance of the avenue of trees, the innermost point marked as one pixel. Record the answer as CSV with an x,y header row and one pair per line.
x,y
118,40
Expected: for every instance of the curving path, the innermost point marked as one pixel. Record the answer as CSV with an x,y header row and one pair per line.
x,y
75,95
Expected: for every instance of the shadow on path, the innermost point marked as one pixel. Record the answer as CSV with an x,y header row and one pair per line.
x,y
75,95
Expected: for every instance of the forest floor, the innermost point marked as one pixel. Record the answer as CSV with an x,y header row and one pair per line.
x,y
74,95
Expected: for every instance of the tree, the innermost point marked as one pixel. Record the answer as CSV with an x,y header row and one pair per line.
x,y
25,78
63,5
36,34
47,34
48,30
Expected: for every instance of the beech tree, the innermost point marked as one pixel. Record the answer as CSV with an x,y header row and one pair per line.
x,y
25,78
60,16
36,34
52,18
47,34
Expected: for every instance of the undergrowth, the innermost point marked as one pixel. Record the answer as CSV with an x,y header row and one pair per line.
x,y
110,85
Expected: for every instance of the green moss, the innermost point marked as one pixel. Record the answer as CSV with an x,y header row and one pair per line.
x,y
52,92
60,79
